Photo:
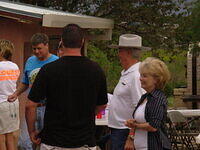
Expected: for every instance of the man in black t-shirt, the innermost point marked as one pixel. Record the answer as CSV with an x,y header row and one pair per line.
x,y
75,90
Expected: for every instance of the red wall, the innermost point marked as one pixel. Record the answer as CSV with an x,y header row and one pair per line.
x,y
18,33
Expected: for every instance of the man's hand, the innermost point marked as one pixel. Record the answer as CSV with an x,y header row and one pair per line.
x,y
34,137
12,98
129,144
131,123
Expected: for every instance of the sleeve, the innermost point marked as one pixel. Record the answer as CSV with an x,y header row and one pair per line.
x,y
39,87
25,75
135,89
102,98
156,113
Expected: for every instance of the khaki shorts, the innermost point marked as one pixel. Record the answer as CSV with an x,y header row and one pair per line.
x,y
48,147
9,117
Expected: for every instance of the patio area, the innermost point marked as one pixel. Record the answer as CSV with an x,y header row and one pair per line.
x,y
183,126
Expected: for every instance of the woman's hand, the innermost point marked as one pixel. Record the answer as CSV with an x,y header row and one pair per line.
x,y
129,144
12,98
131,123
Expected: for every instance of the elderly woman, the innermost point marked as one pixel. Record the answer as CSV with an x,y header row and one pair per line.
x,y
9,112
150,114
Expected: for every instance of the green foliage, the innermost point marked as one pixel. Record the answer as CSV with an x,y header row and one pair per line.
x,y
111,68
155,21
176,63
195,22
188,31
170,101
161,24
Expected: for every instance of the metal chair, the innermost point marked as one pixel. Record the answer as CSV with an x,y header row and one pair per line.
x,y
180,133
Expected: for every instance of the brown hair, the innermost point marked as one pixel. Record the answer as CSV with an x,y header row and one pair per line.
x,y
6,49
72,36
39,38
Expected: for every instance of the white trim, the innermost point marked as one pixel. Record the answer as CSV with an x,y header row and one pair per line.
x,y
54,18
51,20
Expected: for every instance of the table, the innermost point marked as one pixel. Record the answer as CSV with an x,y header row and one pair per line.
x,y
186,112
103,121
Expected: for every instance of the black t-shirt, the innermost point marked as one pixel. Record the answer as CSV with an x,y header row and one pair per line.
x,y
72,86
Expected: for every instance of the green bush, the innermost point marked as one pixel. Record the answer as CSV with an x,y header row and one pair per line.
x,y
107,58
111,67
176,62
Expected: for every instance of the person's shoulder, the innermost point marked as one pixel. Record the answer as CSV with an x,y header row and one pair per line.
x,y
31,58
54,57
51,60
13,64
51,63
134,69
8,64
94,65
30,62
91,62
160,96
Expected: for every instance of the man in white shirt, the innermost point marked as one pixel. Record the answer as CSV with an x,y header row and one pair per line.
x,y
127,92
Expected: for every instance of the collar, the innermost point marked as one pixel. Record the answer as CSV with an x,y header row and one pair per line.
x,y
131,69
155,93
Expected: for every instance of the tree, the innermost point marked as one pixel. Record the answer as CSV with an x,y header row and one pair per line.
x,y
161,23
195,22
155,20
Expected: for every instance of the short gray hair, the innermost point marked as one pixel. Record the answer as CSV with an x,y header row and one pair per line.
x,y
136,52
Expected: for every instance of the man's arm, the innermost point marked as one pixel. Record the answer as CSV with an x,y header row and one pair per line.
x,y
21,88
30,114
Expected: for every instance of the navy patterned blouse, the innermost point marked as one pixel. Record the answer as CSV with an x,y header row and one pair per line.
x,y
155,115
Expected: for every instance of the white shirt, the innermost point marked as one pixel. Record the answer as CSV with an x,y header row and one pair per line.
x,y
9,73
140,140
126,95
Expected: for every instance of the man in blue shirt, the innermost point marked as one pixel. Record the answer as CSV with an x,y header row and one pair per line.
x,y
41,56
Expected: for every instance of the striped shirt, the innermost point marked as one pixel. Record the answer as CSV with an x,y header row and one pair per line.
x,y
155,115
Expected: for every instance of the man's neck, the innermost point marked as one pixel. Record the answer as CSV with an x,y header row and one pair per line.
x,y
2,59
130,63
45,58
71,52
